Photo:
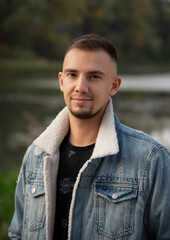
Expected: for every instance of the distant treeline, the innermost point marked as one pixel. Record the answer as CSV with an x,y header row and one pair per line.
x,y
140,29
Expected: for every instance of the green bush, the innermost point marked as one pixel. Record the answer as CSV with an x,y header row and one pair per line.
x,y
7,189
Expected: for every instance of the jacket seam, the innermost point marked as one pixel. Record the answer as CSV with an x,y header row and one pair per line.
x,y
150,159
141,137
147,167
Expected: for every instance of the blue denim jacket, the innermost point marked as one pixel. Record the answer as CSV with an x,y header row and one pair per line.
x,y
122,192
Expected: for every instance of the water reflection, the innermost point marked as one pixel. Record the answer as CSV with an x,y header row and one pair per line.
x,y
151,83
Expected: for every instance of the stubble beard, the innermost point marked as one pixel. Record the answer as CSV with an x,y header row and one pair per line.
x,y
88,114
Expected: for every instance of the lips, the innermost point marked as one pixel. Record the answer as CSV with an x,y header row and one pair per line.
x,y
81,99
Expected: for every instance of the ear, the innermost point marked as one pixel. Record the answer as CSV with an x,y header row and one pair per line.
x,y
60,78
115,85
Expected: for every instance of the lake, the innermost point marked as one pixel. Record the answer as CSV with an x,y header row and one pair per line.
x,y
27,106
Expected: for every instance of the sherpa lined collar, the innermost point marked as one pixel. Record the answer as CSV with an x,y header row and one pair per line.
x,y
106,142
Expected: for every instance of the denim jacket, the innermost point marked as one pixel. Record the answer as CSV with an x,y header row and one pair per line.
x,y
122,192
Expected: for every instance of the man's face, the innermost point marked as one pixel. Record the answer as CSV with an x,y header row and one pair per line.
x,y
87,82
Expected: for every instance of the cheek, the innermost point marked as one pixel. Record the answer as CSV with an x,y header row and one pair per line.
x,y
67,92
67,88
103,91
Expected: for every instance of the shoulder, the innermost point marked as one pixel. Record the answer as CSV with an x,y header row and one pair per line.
x,y
137,141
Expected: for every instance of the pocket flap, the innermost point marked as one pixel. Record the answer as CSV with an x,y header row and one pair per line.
x,y
116,194
35,189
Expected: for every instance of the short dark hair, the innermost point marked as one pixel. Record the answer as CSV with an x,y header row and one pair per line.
x,y
93,42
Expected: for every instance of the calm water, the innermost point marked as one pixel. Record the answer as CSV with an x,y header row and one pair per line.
x,y
142,103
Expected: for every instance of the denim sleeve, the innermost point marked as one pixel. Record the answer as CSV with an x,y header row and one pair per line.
x,y
15,229
157,192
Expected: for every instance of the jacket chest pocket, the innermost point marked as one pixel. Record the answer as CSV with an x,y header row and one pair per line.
x,y
34,215
115,204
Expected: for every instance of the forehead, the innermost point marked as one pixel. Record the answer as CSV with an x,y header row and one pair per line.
x,y
78,58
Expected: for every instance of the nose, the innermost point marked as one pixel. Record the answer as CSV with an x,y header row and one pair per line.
x,y
81,84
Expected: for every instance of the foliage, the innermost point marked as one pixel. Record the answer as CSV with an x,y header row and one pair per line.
x,y
139,28
7,186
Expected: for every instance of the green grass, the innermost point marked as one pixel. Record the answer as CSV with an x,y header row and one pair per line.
x,y
7,189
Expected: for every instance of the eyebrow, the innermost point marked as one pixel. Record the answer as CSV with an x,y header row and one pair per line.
x,y
90,72
70,70
97,72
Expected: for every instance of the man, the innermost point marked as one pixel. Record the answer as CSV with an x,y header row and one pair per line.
x,y
87,176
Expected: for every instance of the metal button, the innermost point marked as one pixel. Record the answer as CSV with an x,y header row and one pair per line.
x,y
114,196
33,190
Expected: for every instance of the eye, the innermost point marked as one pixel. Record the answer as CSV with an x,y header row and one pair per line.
x,y
95,76
71,75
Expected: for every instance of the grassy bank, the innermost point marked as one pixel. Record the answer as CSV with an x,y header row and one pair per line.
x,y
19,68
143,67
28,68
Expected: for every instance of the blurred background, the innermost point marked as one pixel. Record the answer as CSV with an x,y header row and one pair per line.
x,y
33,37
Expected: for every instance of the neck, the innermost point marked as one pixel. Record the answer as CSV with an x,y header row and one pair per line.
x,y
83,132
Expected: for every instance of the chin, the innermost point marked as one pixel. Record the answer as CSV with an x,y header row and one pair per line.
x,y
85,114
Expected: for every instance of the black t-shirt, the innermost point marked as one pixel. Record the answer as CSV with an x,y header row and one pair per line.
x,y
72,159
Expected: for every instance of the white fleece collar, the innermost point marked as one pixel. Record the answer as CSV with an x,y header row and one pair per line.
x,y
106,142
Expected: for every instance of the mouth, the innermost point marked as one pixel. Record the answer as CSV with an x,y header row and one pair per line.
x,y
81,100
